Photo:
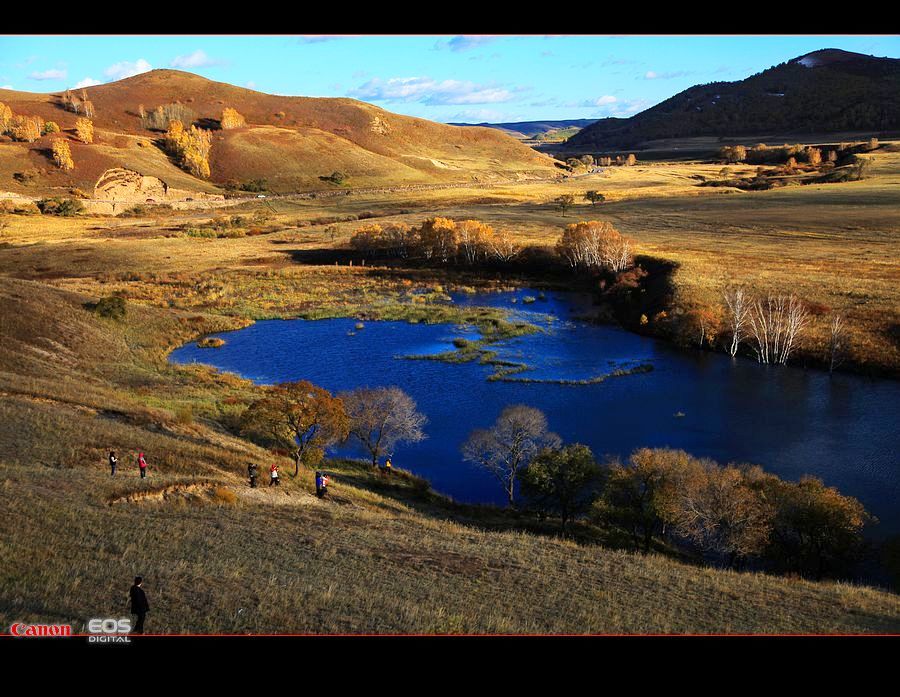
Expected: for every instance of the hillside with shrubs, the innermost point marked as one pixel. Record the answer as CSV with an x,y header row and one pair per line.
x,y
827,91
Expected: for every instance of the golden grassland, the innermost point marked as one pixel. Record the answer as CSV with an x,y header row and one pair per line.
x,y
378,556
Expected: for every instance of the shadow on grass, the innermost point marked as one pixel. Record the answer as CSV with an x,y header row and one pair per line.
x,y
417,494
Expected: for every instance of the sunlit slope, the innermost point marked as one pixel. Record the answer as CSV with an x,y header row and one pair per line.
x,y
290,141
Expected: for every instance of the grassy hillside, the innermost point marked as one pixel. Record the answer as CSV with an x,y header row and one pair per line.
x,y
290,141
827,91
219,557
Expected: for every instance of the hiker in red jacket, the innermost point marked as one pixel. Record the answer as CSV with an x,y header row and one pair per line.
x,y
142,464
273,475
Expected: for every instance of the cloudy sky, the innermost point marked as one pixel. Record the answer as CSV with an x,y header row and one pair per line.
x,y
443,78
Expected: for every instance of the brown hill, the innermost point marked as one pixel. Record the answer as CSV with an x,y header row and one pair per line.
x,y
289,141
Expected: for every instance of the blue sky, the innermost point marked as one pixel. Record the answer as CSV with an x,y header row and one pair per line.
x,y
443,78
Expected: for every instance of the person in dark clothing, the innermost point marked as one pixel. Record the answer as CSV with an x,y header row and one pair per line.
x,y
253,473
113,462
321,484
139,605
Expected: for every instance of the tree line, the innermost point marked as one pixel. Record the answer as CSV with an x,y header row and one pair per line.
x,y
583,246
731,515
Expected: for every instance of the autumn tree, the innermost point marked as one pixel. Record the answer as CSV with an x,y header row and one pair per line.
x,y
298,416
26,129
631,160
813,156
50,127
231,119
382,417
594,197
473,240
563,480
62,155
84,130
564,202
715,509
639,495
6,118
595,244
190,147
733,154
816,530
438,239
507,447
503,247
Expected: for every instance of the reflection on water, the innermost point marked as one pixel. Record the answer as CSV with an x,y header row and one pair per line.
x,y
790,421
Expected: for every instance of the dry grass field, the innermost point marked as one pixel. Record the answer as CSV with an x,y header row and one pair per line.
x,y
222,558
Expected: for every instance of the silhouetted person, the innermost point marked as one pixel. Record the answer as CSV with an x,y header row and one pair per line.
x,y
253,473
139,605
113,462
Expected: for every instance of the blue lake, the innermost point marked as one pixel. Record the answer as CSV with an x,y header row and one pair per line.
x,y
841,428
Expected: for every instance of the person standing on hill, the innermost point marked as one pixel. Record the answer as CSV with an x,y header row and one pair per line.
x,y
253,472
321,484
139,605
273,474
113,463
142,465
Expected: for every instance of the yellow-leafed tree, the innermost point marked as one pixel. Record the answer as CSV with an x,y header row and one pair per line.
x,y
84,129
62,155
6,118
190,148
231,119
26,128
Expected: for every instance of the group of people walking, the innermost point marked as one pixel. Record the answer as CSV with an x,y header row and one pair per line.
x,y
275,480
114,464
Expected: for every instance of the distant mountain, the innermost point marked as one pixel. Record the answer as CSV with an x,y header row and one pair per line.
x,y
826,91
291,142
528,130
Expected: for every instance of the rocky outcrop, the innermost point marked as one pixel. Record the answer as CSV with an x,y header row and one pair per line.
x,y
126,185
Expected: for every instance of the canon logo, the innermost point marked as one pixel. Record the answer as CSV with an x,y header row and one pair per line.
x,y
35,630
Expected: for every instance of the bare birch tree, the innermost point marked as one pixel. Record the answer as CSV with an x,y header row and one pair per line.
x,y
776,324
737,304
836,341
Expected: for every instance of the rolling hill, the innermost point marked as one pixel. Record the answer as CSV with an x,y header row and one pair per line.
x,y
823,92
534,130
289,141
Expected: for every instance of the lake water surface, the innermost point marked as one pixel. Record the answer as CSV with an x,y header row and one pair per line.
x,y
841,428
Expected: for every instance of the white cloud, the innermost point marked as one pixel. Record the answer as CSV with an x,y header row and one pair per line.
x,y
605,100
87,82
479,116
623,108
197,59
319,38
123,69
465,42
250,85
651,75
51,74
430,91
6,87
